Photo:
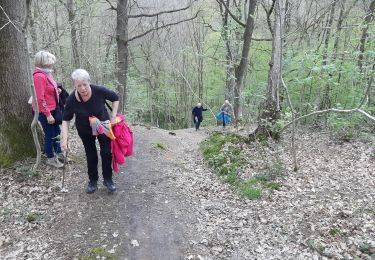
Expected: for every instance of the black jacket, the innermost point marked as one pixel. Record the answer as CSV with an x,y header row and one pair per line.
x,y
197,112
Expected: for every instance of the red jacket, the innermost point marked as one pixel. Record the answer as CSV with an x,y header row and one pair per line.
x,y
122,146
45,86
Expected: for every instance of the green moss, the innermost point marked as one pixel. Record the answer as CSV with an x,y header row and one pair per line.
x,y
159,146
32,217
229,162
98,253
248,190
16,142
232,178
334,232
273,186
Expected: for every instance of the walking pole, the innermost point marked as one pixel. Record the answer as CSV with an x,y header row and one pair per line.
x,y
63,189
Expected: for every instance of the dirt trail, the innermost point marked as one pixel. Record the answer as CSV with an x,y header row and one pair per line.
x,y
169,205
148,218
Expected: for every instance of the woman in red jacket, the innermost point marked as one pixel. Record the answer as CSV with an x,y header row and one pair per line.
x,y
46,93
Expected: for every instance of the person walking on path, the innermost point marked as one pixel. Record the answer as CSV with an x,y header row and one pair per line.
x,y
88,100
198,115
46,95
225,113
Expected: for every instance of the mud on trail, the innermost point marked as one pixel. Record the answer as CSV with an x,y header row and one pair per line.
x,y
169,205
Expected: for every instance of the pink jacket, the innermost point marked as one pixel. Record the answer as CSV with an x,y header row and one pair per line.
x,y
45,85
122,146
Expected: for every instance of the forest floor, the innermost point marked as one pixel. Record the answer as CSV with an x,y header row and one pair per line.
x,y
170,205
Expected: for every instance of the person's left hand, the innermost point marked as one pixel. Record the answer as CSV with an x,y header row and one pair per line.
x,y
113,120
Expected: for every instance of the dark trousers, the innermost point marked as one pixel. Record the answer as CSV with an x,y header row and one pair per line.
x,y
51,136
197,124
88,141
223,118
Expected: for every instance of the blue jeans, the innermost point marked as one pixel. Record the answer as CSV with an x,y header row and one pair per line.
x,y
51,136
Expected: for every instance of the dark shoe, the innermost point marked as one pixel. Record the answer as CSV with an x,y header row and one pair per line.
x,y
110,186
92,187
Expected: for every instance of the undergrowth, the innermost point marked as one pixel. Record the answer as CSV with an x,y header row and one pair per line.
x,y
223,153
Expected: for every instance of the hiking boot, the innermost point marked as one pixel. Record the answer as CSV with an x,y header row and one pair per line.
x,y
92,187
60,157
54,162
110,186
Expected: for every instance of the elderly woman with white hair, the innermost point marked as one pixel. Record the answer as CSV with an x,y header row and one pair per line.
x,y
86,101
197,113
225,113
46,95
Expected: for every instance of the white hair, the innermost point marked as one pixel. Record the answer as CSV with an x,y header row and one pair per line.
x,y
80,74
226,101
199,104
43,59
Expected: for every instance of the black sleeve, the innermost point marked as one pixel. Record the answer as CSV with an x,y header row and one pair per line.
x,y
110,94
204,109
68,110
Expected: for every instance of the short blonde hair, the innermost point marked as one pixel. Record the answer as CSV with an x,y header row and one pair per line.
x,y
43,59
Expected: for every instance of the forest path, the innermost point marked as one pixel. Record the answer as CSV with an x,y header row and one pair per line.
x,y
147,218
169,205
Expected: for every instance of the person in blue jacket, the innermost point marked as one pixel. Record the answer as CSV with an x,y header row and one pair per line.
x,y
198,115
225,113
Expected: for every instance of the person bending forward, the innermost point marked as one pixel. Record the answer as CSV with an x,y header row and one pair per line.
x,y
89,100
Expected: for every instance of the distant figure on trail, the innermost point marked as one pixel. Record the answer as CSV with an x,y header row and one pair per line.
x,y
225,113
46,95
198,115
87,102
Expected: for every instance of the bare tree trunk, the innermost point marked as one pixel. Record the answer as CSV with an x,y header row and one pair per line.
x,y
73,33
15,113
338,29
61,51
122,51
230,55
242,67
271,108
198,38
328,32
364,37
325,100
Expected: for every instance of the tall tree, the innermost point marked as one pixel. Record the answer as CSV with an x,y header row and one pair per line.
x,y
15,113
122,51
271,109
237,66
241,69
122,37
69,5
365,35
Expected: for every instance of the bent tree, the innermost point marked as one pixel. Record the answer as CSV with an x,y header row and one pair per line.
x,y
15,114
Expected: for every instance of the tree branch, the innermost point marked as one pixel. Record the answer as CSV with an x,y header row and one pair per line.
x,y
162,12
269,12
230,13
9,21
64,4
161,27
112,6
329,111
